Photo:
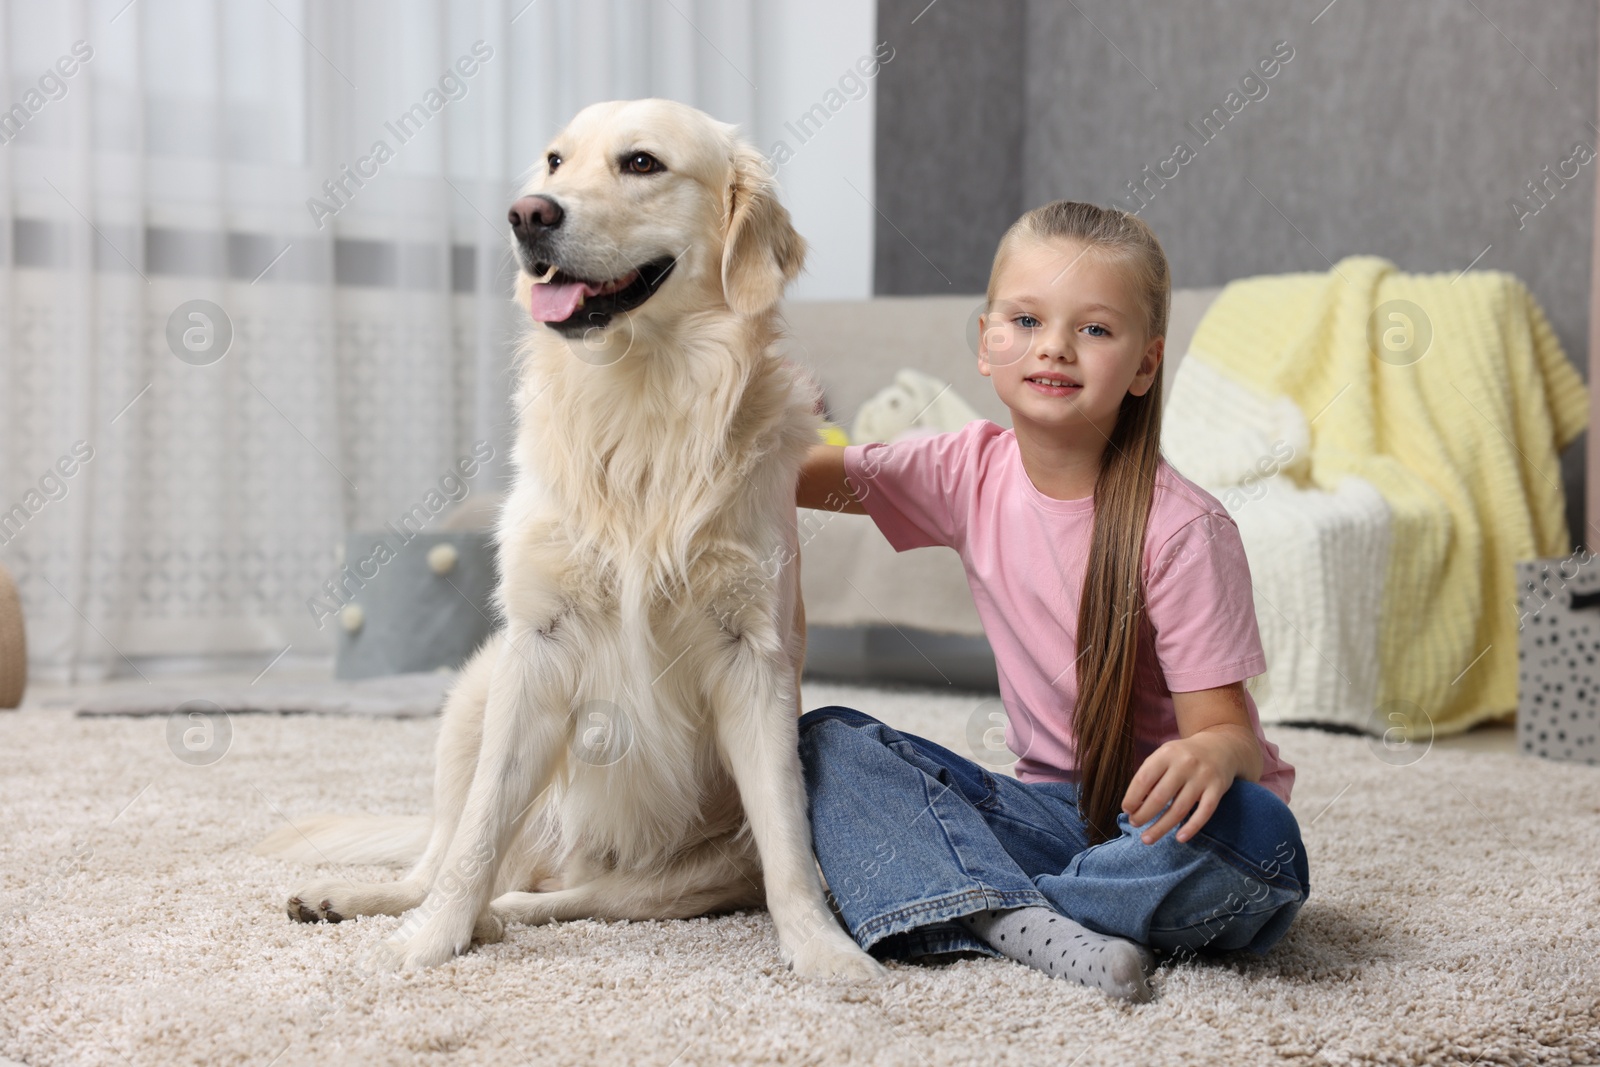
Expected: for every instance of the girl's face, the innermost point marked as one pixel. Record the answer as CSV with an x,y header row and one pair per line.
x,y
1065,339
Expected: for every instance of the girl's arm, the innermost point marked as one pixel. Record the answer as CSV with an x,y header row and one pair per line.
x,y
1216,746
1220,714
823,484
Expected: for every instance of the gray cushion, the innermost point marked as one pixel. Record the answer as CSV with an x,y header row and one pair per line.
x,y
414,619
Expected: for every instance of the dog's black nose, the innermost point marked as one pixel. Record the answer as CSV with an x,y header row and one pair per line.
x,y
531,214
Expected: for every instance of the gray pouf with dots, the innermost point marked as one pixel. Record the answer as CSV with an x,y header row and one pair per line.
x,y
420,605
1558,653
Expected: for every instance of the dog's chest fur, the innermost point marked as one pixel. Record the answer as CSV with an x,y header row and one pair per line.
x,y
663,473
664,515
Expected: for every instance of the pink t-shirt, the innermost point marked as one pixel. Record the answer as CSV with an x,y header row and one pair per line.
x,y
1025,555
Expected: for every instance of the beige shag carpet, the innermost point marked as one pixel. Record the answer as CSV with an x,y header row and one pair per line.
x,y
1454,919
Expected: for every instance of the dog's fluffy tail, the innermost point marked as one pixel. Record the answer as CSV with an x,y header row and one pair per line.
x,y
362,839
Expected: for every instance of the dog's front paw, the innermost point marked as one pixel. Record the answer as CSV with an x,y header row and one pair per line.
x,y
413,954
320,902
435,943
832,954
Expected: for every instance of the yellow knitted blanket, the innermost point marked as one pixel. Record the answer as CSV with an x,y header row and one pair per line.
x,y
1452,396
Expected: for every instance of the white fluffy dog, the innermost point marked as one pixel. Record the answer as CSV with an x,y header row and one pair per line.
x,y
625,748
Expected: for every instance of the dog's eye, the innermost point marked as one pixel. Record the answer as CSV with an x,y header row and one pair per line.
x,y
642,163
552,161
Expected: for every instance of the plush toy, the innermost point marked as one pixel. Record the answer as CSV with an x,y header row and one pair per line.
x,y
915,401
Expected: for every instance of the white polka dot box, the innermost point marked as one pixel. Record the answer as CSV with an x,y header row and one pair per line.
x,y
1558,658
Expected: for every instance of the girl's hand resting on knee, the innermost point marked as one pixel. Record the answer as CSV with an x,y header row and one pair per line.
x,y
1195,771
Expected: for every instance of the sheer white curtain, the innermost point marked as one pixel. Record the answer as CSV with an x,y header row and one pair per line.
x,y
326,183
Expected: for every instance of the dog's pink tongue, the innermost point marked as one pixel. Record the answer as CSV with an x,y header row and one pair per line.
x,y
556,303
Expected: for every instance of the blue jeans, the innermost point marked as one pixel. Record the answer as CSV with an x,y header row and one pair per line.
x,y
911,836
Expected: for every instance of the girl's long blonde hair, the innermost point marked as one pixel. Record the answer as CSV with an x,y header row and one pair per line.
x,y
1111,612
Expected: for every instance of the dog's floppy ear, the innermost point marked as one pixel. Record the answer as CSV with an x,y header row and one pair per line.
x,y
761,253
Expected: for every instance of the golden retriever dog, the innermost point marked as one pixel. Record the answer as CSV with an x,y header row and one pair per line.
x,y
626,746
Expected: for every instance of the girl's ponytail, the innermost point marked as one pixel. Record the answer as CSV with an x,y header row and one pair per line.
x,y
1111,613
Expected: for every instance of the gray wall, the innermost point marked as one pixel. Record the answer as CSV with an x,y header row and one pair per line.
x,y
949,143
1400,130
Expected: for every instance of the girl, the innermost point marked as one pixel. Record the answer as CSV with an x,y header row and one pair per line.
x,y
1138,727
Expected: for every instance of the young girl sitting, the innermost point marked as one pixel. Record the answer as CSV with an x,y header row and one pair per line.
x,y
1116,597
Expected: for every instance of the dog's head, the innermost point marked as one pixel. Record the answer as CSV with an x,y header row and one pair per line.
x,y
648,209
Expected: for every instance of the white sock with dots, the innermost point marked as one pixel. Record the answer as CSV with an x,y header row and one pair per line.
x,y
1050,942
